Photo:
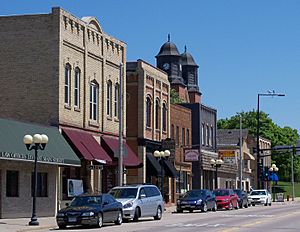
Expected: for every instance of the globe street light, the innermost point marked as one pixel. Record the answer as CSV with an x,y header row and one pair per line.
x,y
161,155
273,169
37,142
269,94
216,164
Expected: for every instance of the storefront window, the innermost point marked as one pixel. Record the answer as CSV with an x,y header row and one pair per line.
x,y
12,183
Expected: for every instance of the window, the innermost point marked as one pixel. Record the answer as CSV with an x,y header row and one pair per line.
x,y
77,87
172,132
117,89
177,135
164,119
148,112
12,183
157,113
67,83
109,98
187,136
207,135
94,101
211,135
42,184
183,137
202,134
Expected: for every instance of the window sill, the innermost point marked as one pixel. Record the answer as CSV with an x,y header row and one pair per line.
x,y
116,119
164,132
109,118
67,107
77,109
148,128
93,123
157,130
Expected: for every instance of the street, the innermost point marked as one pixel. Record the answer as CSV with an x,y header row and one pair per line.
x,y
278,217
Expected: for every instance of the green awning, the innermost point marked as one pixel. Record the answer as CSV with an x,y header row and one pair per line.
x,y
57,151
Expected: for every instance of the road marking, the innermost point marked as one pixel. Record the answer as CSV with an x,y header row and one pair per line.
x,y
249,215
195,225
249,225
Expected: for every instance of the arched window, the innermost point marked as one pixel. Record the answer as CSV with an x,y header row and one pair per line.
x,y
109,99
94,93
148,112
117,91
157,114
67,84
77,88
164,117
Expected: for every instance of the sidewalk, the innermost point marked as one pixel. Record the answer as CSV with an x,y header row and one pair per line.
x,y
21,224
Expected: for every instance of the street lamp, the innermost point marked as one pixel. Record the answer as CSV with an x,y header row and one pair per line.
x,y
216,164
269,94
37,142
273,169
161,155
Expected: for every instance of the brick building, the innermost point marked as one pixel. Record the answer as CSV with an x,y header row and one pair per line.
x,y
148,122
181,133
59,70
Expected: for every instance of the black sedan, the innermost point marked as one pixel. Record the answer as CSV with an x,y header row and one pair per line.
x,y
242,198
197,199
90,209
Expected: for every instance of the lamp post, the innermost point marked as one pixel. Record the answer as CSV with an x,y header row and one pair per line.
x,y
273,169
35,142
216,164
269,94
161,155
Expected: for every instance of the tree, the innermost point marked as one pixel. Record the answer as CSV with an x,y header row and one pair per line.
x,y
175,99
272,132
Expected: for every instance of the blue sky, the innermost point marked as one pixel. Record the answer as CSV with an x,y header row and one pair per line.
x,y
242,47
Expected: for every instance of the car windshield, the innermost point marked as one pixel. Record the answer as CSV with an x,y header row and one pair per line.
x,y
221,193
258,193
124,192
194,194
85,200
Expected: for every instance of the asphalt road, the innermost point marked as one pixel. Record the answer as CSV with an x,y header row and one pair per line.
x,y
279,217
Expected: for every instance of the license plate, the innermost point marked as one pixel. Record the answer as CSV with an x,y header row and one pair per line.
x,y
72,219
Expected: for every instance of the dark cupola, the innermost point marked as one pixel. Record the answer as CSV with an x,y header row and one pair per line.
x,y
169,60
189,71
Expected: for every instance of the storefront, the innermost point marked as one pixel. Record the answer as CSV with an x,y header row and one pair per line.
x,y
17,166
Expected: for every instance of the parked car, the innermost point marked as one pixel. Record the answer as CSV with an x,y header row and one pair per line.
x,y
90,209
139,201
260,196
242,198
226,199
197,199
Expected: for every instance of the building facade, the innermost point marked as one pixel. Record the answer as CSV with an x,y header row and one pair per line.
x,y
66,73
148,123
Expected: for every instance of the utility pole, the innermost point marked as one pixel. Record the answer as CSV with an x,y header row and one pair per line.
x,y
120,163
292,164
241,154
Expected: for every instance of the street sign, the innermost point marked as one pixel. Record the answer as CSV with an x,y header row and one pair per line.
x,y
191,155
168,144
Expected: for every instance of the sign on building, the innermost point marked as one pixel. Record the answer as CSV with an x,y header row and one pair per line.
x,y
227,156
191,155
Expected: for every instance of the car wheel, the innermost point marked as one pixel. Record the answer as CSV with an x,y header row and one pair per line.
x,y
61,227
100,220
179,210
119,218
253,204
270,203
215,207
191,210
266,204
204,209
136,214
158,215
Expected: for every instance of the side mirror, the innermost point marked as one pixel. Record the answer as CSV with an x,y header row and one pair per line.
x,y
67,204
142,196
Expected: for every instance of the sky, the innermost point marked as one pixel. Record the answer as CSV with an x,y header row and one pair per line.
x,y
242,47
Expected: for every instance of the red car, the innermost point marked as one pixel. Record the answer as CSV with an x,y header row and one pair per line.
x,y
226,199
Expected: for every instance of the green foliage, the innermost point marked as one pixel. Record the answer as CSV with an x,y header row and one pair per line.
x,y
269,130
175,99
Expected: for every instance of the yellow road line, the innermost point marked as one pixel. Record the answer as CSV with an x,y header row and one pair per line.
x,y
237,227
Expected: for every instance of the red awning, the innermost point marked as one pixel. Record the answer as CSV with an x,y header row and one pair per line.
x,y
87,145
130,159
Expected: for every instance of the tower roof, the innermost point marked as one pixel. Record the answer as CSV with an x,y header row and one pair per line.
x,y
187,59
168,49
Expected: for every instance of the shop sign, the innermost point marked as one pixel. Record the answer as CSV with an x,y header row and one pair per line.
x,y
75,187
191,155
227,156
95,167
20,156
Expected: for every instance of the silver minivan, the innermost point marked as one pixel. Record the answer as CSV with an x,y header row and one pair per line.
x,y
139,201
